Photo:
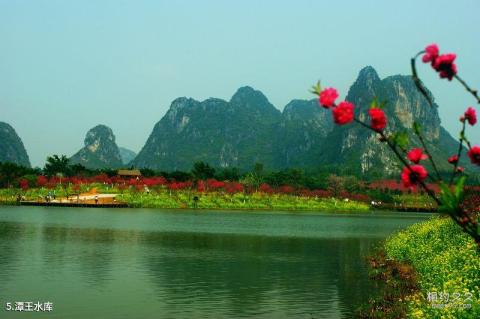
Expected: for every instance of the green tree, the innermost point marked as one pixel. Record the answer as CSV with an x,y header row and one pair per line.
x,y
336,184
179,176
9,172
202,170
57,165
258,169
228,174
79,170
147,172
252,180
292,176
255,178
352,184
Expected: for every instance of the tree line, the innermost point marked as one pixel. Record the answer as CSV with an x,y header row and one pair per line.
x,y
59,165
323,178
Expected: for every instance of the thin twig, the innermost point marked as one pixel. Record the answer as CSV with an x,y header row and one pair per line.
x,y
469,228
459,153
424,186
420,137
469,89
418,83
400,157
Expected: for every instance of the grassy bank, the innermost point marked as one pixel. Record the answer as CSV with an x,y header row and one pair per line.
x,y
239,201
165,198
446,262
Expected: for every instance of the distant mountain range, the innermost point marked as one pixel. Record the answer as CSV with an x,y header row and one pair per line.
x,y
248,129
126,155
11,146
101,150
358,150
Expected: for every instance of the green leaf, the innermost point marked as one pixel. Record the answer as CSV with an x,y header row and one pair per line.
x,y
417,128
316,89
400,139
459,189
447,198
452,199
375,104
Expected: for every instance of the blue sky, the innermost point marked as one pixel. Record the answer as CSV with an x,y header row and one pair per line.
x,y
66,66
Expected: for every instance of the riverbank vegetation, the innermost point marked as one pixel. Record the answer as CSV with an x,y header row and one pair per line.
x,y
257,201
430,270
286,189
447,262
209,194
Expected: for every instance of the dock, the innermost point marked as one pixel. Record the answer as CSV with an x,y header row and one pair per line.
x,y
74,204
80,200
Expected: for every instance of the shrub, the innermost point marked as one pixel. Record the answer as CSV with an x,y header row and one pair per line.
x,y
446,261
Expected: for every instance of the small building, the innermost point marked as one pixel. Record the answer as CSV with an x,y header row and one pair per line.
x,y
129,173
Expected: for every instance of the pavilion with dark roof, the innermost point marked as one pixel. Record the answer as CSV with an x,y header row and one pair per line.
x,y
129,173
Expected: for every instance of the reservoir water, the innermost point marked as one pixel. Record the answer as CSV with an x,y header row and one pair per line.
x,y
150,263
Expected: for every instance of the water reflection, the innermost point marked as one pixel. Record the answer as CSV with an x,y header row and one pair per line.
x,y
239,265
88,248
11,249
255,274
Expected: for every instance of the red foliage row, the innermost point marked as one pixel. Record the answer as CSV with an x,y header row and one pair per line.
x,y
214,185
393,185
201,186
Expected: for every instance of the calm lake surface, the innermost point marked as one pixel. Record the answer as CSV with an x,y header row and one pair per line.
x,y
145,263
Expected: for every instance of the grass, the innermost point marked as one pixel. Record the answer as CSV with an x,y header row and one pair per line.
x,y
414,200
213,200
164,198
446,261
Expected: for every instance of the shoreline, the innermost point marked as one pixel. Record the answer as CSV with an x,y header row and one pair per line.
x,y
180,200
224,209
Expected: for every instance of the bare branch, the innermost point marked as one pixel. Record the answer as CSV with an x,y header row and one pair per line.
x,y
469,89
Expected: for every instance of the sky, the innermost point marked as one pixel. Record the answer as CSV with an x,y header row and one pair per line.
x,y
66,66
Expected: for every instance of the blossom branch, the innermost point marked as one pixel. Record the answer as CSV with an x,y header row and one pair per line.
x,y
418,83
468,88
400,157
459,154
415,174
471,228
424,145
